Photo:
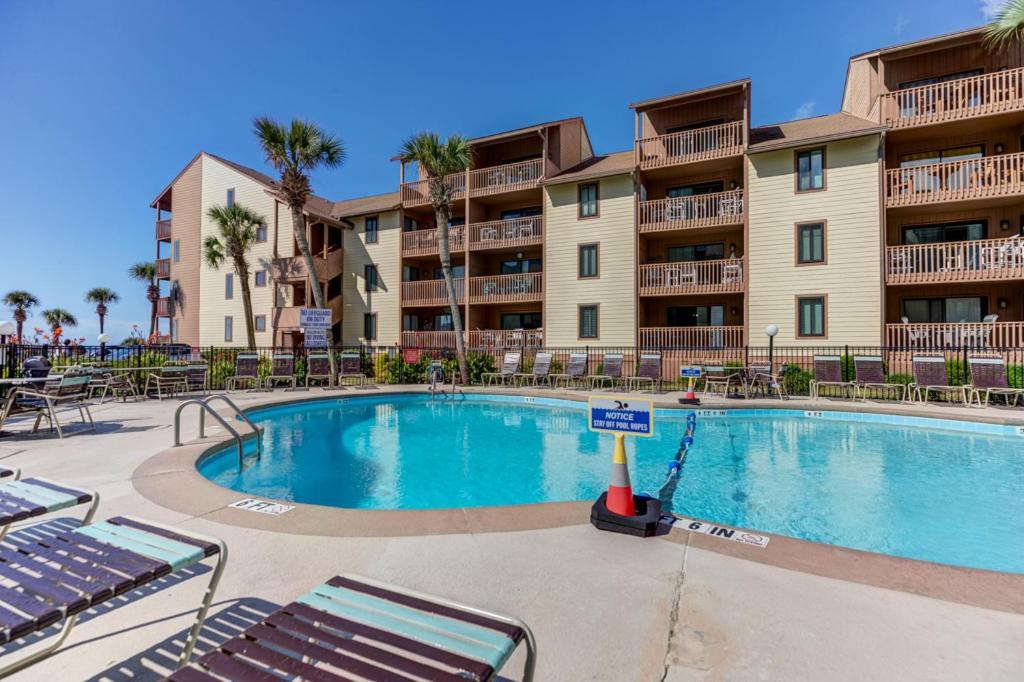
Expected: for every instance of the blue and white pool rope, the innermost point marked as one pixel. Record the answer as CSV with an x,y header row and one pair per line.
x,y
675,465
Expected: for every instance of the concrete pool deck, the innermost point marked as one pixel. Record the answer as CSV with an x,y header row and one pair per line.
x,y
603,606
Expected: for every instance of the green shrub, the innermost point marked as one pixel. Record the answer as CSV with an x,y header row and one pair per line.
x,y
1015,376
477,364
899,379
848,370
956,372
796,380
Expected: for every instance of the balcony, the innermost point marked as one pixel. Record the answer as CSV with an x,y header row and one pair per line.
x,y
164,307
687,146
428,339
501,339
418,193
163,230
431,292
424,242
294,269
692,337
983,260
522,288
703,210
956,100
163,268
983,178
936,336
503,234
509,177
723,276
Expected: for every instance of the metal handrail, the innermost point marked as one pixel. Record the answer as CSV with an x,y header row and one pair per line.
x,y
204,408
238,413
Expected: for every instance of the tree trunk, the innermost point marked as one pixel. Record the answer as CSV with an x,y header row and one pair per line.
x,y
299,228
152,308
20,317
101,312
101,323
441,214
242,269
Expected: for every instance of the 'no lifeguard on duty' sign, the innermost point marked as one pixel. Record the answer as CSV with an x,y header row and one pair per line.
x,y
624,415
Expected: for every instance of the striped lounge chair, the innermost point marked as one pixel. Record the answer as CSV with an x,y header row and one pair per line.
x,y
648,373
988,378
575,372
930,376
611,372
356,628
21,500
541,373
52,576
318,368
869,373
247,372
509,367
282,371
828,371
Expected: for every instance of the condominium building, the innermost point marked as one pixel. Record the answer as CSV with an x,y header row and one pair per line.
x,y
896,221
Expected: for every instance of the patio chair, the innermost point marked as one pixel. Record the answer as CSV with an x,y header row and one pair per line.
x,y
611,372
282,371
195,376
869,372
574,372
648,373
540,373
247,372
169,379
32,497
930,376
351,368
761,380
71,390
318,368
354,627
53,576
722,377
828,371
509,367
106,382
988,378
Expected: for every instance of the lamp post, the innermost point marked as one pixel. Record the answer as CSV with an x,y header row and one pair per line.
x,y
103,338
771,330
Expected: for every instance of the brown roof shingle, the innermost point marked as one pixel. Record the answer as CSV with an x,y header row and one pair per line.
x,y
809,130
347,208
598,166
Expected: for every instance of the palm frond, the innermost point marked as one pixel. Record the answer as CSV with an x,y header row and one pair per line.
x,y
144,271
273,140
101,296
213,252
1007,27
58,317
19,299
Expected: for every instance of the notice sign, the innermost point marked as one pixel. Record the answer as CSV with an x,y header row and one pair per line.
x,y
734,534
315,338
625,415
689,372
272,508
315,318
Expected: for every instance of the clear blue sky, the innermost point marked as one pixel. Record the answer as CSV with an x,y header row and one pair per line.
x,y
102,103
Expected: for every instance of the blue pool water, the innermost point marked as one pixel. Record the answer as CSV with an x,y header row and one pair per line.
x,y
926,489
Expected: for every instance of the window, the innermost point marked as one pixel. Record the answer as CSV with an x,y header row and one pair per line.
x,y
174,330
587,260
697,189
333,287
810,243
588,322
521,321
231,197
810,170
176,251
370,227
410,224
370,274
229,286
443,322
695,316
810,316
940,79
261,233
410,323
261,278
514,213
521,265
676,254
370,326
588,200
974,151
944,232
229,323
260,323
938,310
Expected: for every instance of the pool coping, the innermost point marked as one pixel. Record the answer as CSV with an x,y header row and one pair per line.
x,y
170,479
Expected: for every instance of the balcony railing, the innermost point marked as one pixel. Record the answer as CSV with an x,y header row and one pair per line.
x,y
164,307
721,276
511,233
294,268
955,335
982,178
990,93
506,178
687,146
431,292
982,260
417,193
507,288
424,242
163,229
692,337
428,339
497,339
703,210
163,268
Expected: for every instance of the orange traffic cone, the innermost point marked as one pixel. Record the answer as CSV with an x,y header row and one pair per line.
x,y
620,493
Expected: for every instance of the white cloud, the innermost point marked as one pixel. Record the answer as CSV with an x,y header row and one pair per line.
x,y
901,23
805,110
990,9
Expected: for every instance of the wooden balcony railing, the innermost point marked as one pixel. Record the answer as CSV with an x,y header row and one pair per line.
x,y
687,146
692,337
982,178
417,193
990,93
431,292
982,260
294,268
164,307
505,178
163,268
163,229
507,288
514,232
955,335
512,339
424,242
721,276
703,210
428,339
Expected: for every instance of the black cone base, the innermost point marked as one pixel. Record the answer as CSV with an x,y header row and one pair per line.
x,y
644,524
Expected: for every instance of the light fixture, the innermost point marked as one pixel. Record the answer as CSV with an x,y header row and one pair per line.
x,y
999,147
103,338
771,330
519,255
1003,303
732,250
734,311
732,184
7,328
1004,225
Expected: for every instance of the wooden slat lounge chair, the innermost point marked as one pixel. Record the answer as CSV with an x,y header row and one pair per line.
x,y
509,367
575,372
869,373
32,497
721,377
69,390
611,372
351,368
52,577
353,627
930,376
282,371
828,371
195,377
988,378
318,368
170,380
541,373
761,380
648,373
247,372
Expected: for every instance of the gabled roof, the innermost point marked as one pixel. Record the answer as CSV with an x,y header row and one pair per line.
x,y
686,94
968,34
603,165
376,203
809,131
522,131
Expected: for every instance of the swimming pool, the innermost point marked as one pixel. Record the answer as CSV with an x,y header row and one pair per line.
x,y
937,490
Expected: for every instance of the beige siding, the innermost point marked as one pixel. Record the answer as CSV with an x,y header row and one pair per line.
x,y
185,229
851,277
385,254
615,289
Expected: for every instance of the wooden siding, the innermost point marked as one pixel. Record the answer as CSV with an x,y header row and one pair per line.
x,y
385,301
186,218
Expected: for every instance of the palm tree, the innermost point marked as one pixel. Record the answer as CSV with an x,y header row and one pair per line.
x,y
102,297
146,272
237,226
295,151
20,302
56,320
1007,27
438,160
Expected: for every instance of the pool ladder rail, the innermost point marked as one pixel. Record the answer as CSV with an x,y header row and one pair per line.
x,y
204,407
436,378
